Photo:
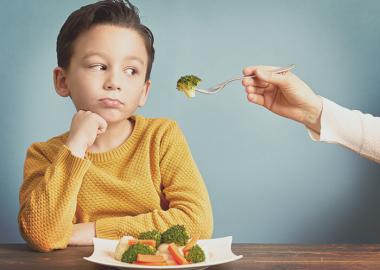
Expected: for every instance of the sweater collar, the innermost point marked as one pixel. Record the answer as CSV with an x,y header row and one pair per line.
x,y
121,150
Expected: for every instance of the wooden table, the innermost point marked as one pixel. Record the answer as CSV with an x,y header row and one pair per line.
x,y
256,256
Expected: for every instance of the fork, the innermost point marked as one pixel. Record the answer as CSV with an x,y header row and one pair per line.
x,y
215,89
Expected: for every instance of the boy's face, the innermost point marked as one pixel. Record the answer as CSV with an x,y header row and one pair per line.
x,y
106,73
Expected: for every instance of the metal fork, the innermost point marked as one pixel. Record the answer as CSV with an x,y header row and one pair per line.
x,y
215,89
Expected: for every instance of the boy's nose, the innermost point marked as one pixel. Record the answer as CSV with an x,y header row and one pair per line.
x,y
112,86
112,82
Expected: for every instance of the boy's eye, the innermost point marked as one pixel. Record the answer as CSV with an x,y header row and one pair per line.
x,y
98,67
130,71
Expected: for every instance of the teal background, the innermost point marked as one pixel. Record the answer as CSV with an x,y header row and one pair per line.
x,y
267,180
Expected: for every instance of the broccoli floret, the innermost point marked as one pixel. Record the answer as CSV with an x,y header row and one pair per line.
x,y
151,235
195,255
130,255
175,234
188,84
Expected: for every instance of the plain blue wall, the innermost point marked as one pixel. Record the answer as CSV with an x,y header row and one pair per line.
x,y
267,180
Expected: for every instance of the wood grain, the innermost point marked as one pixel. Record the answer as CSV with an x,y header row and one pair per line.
x,y
256,256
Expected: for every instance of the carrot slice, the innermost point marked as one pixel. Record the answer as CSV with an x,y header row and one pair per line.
x,y
132,242
174,251
191,243
170,262
150,258
145,242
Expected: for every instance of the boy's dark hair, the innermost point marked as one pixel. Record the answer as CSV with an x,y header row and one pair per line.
x,y
112,12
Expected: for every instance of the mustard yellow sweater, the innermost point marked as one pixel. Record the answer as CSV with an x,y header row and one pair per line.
x,y
149,182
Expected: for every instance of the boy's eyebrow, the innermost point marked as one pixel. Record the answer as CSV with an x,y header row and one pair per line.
x,y
132,58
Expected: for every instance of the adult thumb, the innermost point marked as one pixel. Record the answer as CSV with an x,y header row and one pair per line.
x,y
279,80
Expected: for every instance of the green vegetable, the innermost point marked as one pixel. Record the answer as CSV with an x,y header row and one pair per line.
x,y
151,235
195,255
187,84
175,234
130,255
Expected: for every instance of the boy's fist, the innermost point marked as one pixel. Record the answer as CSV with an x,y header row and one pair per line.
x,y
85,126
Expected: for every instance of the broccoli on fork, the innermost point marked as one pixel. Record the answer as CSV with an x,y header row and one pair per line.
x,y
187,84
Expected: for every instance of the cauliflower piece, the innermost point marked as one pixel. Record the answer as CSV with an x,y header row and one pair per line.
x,y
121,247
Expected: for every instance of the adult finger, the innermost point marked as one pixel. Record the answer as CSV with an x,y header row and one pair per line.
x,y
256,98
280,80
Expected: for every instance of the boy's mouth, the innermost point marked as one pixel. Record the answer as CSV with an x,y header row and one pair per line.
x,y
111,103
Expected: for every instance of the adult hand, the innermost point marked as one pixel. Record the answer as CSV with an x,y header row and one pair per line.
x,y
284,94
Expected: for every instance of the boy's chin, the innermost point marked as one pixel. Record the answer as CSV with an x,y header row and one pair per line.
x,y
114,118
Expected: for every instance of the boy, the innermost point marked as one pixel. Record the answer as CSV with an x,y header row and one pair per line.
x,y
114,173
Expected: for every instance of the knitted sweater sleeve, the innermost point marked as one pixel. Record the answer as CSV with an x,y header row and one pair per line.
x,y
48,196
184,189
350,128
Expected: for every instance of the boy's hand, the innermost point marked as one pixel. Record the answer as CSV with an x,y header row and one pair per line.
x,y
284,94
83,234
85,126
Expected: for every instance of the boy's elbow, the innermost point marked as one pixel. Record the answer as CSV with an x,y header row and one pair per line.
x,y
43,245
35,242
207,224
39,239
206,228
203,224
39,246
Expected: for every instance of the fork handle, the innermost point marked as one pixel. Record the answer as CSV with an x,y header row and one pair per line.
x,y
278,70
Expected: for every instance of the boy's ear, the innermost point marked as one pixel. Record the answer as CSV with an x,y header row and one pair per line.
x,y
144,95
60,82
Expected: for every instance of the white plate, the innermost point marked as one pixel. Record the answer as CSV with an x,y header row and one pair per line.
x,y
218,251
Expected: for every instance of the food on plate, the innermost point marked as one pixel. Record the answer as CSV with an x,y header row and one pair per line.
x,y
187,84
172,247
151,235
176,234
130,255
195,254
